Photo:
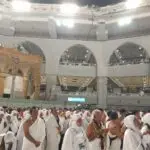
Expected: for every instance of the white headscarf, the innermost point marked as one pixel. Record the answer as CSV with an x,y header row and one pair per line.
x,y
74,119
129,123
146,119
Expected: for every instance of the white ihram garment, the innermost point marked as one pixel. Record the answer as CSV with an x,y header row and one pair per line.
x,y
10,137
132,136
75,137
95,144
53,137
19,137
37,131
145,128
2,129
20,133
114,144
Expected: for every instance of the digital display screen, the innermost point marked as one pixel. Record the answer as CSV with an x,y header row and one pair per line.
x,y
76,99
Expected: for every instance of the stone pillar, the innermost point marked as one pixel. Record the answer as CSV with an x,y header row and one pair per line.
x,y
12,87
25,86
2,84
102,91
51,82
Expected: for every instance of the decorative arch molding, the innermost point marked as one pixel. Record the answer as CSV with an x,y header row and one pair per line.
x,y
126,51
31,48
82,48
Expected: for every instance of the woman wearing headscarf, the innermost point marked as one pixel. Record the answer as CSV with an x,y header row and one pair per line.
x,y
132,136
146,130
75,137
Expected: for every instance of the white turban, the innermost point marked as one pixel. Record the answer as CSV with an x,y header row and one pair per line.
x,y
146,119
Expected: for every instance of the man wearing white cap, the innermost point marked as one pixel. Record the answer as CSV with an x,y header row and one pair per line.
x,y
75,137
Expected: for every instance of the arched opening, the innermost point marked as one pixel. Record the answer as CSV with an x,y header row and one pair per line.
x,y
131,55
77,58
28,47
78,54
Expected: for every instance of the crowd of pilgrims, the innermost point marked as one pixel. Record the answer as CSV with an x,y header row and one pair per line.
x,y
67,129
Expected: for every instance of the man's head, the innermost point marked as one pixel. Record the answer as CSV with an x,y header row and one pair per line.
x,y
113,115
8,117
34,112
77,120
97,116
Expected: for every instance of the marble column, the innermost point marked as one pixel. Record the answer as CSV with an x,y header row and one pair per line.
x,y
102,92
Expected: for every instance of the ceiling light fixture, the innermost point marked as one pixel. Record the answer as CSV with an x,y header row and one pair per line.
x,y
69,9
132,4
21,6
124,21
66,22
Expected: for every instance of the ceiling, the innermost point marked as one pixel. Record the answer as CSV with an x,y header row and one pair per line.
x,y
78,54
41,21
75,81
132,81
80,2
